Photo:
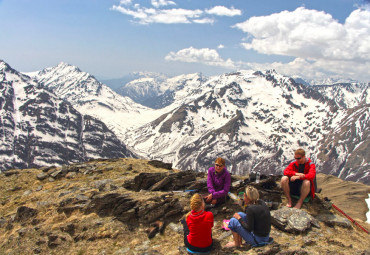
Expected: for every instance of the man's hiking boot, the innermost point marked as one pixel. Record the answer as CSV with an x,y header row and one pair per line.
x,y
155,227
160,225
152,231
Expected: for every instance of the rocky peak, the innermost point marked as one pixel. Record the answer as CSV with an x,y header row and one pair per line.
x,y
38,128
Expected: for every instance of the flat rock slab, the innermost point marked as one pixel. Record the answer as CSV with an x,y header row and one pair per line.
x,y
293,220
334,220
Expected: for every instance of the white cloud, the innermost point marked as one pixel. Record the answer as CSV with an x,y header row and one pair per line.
x,y
167,16
160,3
315,37
204,21
221,46
224,11
145,15
205,56
125,2
138,14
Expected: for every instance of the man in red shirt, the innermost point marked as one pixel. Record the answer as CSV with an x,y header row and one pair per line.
x,y
299,178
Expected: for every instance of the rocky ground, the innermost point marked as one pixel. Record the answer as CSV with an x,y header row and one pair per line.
x,y
108,206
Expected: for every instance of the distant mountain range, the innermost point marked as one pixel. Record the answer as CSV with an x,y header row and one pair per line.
x,y
254,119
39,128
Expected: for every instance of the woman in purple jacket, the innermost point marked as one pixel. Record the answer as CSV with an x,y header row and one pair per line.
x,y
218,183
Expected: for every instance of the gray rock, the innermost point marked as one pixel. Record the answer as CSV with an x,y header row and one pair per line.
x,y
71,175
46,168
122,251
112,204
162,183
81,198
65,193
334,220
292,220
2,222
144,246
42,176
224,235
160,164
43,203
22,232
176,227
16,188
87,172
24,213
57,174
102,184
27,192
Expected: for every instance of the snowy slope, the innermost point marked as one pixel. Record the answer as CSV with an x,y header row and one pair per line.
x,y
346,95
38,128
344,152
157,91
89,96
247,117
253,119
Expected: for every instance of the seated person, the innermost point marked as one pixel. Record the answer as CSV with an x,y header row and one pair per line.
x,y
218,183
198,226
254,225
299,178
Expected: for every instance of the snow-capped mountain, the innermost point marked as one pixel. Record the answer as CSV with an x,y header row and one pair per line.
x,y
253,119
38,128
324,81
116,84
89,96
344,151
346,95
158,91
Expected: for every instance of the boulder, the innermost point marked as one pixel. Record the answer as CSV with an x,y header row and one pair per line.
x,y
112,204
42,176
24,213
293,220
334,220
160,164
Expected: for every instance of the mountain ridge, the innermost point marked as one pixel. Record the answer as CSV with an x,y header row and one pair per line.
x,y
256,118
38,128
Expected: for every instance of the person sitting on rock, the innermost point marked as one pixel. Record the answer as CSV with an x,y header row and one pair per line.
x,y
218,183
198,226
299,179
254,225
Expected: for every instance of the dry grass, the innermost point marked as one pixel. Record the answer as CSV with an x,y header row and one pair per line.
x,y
97,235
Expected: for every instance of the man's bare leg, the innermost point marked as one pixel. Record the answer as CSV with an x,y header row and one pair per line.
x,y
305,189
286,189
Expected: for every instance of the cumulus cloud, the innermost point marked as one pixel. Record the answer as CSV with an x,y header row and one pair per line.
x,y
224,11
146,15
313,36
159,3
205,56
221,46
166,16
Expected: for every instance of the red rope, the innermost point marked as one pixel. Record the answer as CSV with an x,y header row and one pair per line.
x,y
339,210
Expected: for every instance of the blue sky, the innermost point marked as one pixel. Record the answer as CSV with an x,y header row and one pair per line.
x,y
111,38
